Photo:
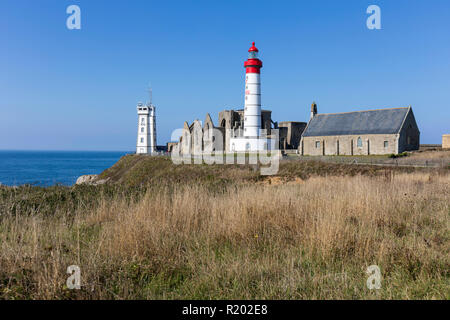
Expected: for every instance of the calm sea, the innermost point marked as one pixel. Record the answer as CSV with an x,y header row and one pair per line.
x,y
46,168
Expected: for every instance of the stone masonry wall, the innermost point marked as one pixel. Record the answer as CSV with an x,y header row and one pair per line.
x,y
348,145
409,135
446,141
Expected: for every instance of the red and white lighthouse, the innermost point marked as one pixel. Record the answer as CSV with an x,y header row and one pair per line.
x,y
252,140
252,109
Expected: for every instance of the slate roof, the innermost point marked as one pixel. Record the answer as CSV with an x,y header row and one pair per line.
x,y
381,121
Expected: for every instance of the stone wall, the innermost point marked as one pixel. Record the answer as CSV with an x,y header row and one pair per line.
x,y
228,119
291,134
348,145
171,146
409,139
446,141
195,139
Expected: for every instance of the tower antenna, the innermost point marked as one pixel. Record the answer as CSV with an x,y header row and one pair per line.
x,y
150,92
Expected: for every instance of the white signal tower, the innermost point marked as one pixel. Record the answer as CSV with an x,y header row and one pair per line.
x,y
146,137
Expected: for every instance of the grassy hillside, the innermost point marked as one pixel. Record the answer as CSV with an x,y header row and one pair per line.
x,y
160,231
139,170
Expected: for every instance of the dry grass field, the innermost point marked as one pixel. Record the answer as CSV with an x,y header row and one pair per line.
x,y
234,235
425,158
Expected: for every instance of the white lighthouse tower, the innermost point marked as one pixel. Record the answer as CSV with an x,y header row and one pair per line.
x,y
252,109
146,137
252,140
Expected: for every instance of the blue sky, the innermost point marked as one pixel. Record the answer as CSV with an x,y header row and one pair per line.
x,y
66,89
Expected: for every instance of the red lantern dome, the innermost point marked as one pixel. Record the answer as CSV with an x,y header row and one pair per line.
x,y
253,48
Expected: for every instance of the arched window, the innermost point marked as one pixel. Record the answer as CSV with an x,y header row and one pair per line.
x,y
207,132
359,143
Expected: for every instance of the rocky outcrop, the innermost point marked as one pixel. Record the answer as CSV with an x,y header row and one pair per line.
x,y
101,181
91,179
87,179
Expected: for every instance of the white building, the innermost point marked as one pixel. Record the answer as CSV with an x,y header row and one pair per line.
x,y
146,137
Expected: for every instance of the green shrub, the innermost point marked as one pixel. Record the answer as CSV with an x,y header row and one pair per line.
x,y
399,155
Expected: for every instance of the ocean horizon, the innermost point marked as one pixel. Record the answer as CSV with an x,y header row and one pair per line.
x,y
47,168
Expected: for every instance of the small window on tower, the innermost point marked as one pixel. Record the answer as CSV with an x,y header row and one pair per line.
x,y
142,129
142,140
143,120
